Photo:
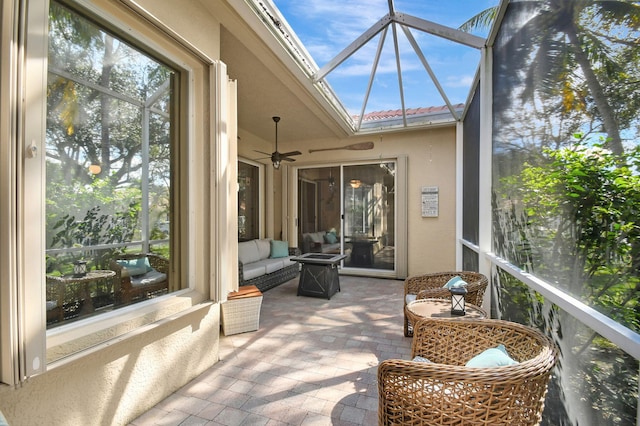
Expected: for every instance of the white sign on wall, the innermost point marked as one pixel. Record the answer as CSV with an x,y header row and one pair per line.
x,y
429,201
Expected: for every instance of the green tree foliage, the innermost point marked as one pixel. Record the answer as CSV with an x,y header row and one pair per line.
x,y
105,100
581,214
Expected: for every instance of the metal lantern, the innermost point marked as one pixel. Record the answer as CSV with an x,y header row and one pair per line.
x,y
457,300
79,268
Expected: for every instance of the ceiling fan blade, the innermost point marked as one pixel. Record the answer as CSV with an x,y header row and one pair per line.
x,y
262,152
289,154
286,159
353,147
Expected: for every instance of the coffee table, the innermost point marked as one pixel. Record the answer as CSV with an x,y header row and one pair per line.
x,y
439,308
319,276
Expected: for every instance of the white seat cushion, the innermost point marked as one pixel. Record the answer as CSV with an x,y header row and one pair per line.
x,y
152,277
253,270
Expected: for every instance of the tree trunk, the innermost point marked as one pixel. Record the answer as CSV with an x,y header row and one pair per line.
x,y
614,142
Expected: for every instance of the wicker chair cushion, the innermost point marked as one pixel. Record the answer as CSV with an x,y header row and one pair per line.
x,y
455,282
151,277
492,357
135,267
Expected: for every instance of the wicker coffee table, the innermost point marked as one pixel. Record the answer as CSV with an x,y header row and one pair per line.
x,y
440,308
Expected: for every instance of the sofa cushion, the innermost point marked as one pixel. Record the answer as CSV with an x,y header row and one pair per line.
x,y
317,237
288,262
253,270
272,265
264,247
279,249
330,238
248,252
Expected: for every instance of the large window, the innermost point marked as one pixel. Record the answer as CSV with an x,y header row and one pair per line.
x,y
248,201
108,167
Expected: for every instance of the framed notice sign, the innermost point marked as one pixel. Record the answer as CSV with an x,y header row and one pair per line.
x,y
429,201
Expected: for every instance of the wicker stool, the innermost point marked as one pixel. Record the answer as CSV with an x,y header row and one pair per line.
x,y
241,311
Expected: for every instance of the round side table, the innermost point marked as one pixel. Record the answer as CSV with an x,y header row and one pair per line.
x,y
440,308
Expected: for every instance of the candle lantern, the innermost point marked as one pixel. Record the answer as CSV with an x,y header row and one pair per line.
x,y
457,300
79,268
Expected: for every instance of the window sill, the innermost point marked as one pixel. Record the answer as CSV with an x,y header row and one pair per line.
x,y
69,342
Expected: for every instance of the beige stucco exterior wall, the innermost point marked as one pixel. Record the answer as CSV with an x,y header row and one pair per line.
x,y
116,382
431,156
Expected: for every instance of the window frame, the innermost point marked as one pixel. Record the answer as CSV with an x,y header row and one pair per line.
x,y
260,188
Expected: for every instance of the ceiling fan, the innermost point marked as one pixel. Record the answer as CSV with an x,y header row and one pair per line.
x,y
278,157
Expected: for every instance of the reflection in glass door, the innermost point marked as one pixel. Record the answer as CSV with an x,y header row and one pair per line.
x,y
350,210
369,215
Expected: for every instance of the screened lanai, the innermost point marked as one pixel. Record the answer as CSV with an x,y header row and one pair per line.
x,y
507,145
547,159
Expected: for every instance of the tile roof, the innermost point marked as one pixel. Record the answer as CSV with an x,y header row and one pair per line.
x,y
397,113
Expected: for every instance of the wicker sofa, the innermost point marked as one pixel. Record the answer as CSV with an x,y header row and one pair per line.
x,y
257,265
447,391
320,242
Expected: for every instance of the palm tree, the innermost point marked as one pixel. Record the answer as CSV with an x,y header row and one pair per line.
x,y
567,41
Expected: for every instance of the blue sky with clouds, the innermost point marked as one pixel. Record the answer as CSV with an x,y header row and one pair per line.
x,y
326,27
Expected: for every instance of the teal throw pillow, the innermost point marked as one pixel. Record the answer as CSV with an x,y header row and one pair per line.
x,y
330,238
492,357
455,282
135,267
279,249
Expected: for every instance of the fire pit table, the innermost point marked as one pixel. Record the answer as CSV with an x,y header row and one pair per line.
x,y
319,276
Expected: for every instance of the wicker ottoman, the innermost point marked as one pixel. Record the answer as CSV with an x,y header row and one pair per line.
x,y
241,311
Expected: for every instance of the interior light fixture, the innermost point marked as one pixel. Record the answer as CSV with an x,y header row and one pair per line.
x,y
355,183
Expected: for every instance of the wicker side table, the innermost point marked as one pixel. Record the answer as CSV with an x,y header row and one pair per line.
x,y
439,308
241,311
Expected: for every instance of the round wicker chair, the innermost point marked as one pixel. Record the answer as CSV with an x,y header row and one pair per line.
x,y
431,286
446,392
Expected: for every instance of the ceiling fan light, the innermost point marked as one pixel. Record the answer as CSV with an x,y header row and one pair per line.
x,y
276,164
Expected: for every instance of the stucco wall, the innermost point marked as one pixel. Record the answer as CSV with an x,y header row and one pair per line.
x,y
431,159
116,384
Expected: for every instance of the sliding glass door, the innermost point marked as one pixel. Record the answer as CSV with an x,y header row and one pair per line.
x,y
352,212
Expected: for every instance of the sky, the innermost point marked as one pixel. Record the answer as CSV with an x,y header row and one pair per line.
x,y
326,27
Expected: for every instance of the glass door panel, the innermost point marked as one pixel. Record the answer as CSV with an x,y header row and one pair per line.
x,y
369,215
349,210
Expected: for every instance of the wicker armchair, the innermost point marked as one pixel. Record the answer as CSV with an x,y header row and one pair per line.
x,y
446,392
431,286
140,286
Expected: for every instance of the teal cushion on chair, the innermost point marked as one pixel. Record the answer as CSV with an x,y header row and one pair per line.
x,y
279,249
455,282
492,357
135,267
